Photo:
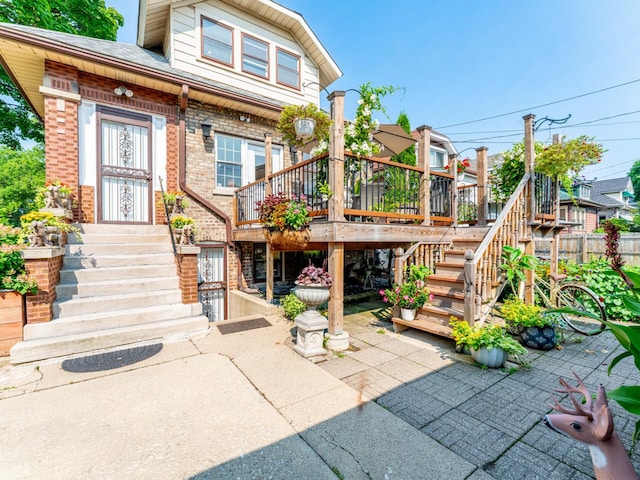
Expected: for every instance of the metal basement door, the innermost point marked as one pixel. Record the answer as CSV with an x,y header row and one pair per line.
x,y
212,281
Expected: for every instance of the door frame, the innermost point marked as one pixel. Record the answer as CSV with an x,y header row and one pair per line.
x,y
104,112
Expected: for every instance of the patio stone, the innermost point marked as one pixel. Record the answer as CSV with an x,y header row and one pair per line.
x,y
443,389
430,358
414,407
399,347
373,356
372,338
372,383
403,369
342,367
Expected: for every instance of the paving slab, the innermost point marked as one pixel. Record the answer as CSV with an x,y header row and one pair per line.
x,y
343,367
173,420
373,356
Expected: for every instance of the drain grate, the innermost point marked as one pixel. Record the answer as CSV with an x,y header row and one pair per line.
x,y
111,360
243,325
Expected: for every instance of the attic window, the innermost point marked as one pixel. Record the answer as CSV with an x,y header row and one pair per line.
x,y
255,56
217,41
288,69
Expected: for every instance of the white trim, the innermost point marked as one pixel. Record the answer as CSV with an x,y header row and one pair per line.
x,y
87,144
53,92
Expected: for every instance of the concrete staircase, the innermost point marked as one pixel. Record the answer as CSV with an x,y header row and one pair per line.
x,y
119,285
447,286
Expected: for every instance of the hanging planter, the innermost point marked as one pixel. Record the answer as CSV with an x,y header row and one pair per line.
x,y
288,239
299,123
304,127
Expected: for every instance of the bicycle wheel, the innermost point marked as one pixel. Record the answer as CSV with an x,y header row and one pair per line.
x,y
581,299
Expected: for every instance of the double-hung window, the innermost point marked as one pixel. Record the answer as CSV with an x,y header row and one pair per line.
x,y
255,56
437,158
288,71
217,41
240,161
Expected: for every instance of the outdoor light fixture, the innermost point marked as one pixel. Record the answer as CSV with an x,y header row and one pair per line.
x,y
122,90
206,130
304,127
245,119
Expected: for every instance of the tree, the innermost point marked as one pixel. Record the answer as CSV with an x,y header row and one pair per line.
x,y
634,174
408,156
21,174
91,18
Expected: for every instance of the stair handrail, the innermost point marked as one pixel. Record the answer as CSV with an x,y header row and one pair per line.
x,y
167,216
475,290
402,260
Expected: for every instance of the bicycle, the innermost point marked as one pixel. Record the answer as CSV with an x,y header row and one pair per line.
x,y
574,296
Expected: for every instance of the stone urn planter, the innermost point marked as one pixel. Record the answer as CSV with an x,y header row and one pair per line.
x,y
312,295
491,357
12,319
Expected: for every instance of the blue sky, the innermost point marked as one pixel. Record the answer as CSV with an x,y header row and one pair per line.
x,y
460,61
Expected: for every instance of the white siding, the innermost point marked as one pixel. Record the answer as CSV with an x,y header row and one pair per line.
x,y
186,52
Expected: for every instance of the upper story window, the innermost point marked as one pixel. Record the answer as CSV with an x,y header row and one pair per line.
x,y
255,56
582,191
438,158
217,41
288,72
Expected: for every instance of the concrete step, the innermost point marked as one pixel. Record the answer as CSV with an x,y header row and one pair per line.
x,y
115,229
52,347
108,320
74,250
116,273
122,260
120,238
114,287
113,303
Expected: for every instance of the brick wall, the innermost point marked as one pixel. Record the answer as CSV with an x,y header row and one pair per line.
x,y
46,271
86,204
188,271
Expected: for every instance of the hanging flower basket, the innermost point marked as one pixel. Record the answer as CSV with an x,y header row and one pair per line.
x,y
288,239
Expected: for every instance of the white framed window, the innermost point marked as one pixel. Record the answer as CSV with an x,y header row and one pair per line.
x,y
217,41
579,216
288,71
255,56
562,214
438,158
241,161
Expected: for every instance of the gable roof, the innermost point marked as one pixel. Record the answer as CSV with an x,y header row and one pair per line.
x,y
613,185
23,51
153,17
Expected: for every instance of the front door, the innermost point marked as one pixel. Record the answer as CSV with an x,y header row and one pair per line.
x,y
125,189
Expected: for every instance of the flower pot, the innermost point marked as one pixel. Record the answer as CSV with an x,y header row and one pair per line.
x,y
12,319
312,295
288,239
541,338
491,357
408,314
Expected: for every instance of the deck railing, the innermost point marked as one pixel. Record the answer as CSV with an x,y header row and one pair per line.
x,y
467,204
419,254
375,189
546,196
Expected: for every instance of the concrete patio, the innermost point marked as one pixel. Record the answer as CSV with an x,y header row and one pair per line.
x,y
246,406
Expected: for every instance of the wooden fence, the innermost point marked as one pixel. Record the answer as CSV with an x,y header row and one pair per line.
x,y
580,247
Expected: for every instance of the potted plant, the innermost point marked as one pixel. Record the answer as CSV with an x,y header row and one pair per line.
x,y
536,329
285,219
54,225
489,344
183,229
312,285
287,123
176,201
411,295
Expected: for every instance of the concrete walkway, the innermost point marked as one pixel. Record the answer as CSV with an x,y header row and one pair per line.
x,y
245,406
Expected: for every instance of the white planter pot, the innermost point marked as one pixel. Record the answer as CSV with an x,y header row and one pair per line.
x,y
312,295
408,314
491,357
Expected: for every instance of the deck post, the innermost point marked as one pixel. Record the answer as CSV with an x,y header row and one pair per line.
x,y
424,156
469,288
268,190
483,185
453,170
336,158
529,163
337,338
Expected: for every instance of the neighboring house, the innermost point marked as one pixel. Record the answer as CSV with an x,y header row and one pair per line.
x,y
616,196
580,213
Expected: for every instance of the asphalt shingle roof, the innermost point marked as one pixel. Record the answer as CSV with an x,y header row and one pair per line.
x,y
611,185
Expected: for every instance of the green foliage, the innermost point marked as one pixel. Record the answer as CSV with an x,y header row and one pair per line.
x,y
292,306
292,112
514,263
413,293
179,221
91,18
597,276
12,270
516,313
490,336
50,220
620,223
21,175
508,172
283,212
634,175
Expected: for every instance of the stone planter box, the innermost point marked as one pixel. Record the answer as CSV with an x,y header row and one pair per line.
x,y
12,320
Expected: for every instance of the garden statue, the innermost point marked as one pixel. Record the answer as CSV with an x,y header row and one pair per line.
x,y
185,235
51,196
595,428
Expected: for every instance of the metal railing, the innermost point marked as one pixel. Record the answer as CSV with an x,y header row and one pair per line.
x,y
546,192
467,204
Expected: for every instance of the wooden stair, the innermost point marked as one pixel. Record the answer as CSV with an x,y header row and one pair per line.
x,y
447,286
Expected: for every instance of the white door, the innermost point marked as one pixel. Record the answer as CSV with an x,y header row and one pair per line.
x,y
212,281
124,167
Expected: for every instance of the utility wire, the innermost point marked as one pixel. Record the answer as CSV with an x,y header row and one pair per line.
x,y
540,106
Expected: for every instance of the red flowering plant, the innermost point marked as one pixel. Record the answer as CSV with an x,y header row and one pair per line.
x,y
283,212
413,293
462,165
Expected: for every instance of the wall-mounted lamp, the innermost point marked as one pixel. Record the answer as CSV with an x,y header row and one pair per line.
x,y
122,90
245,119
206,130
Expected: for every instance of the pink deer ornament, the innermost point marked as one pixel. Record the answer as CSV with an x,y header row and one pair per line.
x,y
593,426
